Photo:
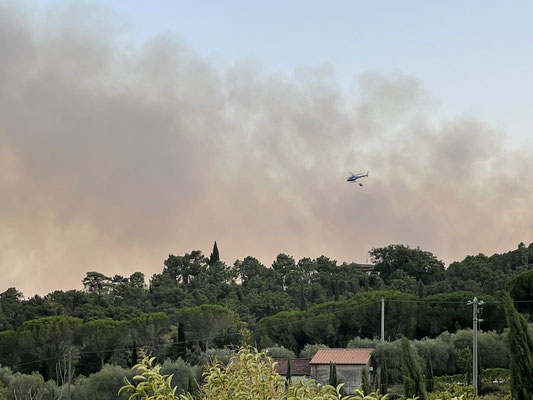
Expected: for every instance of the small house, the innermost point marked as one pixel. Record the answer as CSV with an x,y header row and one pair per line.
x,y
368,269
349,366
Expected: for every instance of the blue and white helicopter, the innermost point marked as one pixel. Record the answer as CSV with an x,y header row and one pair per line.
x,y
355,177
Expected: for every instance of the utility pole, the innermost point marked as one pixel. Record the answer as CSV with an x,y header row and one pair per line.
x,y
475,319
382,319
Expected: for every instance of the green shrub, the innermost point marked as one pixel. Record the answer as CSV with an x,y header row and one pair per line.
x,y
151,385
182,373
454,391
102,385
33,386
279,352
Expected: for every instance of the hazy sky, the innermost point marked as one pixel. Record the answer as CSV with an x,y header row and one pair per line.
x,y
132,129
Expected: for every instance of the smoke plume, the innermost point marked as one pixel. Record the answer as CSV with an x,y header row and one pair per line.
x,y
113,155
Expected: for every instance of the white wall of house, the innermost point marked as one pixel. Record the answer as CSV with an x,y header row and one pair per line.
x,y
298,378
351,375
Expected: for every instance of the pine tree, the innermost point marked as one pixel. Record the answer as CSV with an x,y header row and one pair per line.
x,y
333,381
521,346
365,385
430,382
413,380
384,376
214,255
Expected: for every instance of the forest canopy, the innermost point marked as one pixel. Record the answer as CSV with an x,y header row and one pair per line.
x,y
199,305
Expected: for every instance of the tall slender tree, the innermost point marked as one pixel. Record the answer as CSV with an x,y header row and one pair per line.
x,y
365,384
214,255
288,377
333,381
178,348
465,364
384,376
191,387
134,355
521,346
430,382
413,380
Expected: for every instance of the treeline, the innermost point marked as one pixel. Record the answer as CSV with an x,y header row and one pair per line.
x,y
199,303
255,291
48,344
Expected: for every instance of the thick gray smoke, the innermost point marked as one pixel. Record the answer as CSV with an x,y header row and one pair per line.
x,y
113,156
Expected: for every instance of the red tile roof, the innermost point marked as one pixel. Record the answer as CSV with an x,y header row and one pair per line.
x,y
342,356
299,366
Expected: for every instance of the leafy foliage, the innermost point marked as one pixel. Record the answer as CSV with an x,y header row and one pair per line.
x,y
333,380
279,352
383,376
151,385
102,385
521,345
32,387
414,385
197,305
454,392
365,384
421,265
465,363
430,383
251,375
520,287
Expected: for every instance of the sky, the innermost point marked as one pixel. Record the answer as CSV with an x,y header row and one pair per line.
x,y
133,130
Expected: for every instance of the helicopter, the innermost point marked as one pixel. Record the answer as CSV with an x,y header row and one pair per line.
x,y
355,177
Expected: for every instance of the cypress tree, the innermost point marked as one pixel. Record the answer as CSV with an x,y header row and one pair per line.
x,y
430,382
365,385
288,376
190,386
384,375
178,349
421,289
134,356
333,375
413,380
521,346
214,255
465,364
302,296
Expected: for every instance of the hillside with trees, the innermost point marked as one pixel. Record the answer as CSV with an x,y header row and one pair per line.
x,y
199,306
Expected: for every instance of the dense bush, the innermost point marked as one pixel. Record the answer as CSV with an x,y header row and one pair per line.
x,y
454,392
249,375
492,349
444,352
103,385
33,386
182,373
